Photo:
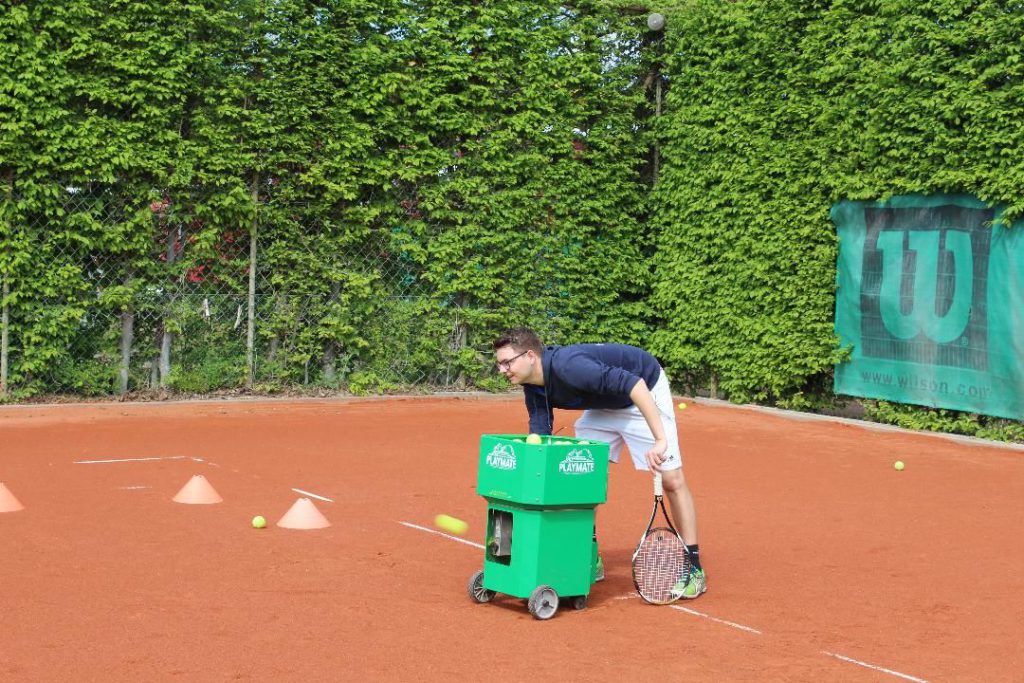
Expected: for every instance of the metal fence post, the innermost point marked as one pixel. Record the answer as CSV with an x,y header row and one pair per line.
x,y
250,332
127,338
166,339
5,322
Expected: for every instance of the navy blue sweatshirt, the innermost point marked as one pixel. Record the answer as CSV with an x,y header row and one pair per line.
x,y
583,376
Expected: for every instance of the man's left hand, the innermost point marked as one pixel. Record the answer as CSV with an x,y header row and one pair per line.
x,y
656,455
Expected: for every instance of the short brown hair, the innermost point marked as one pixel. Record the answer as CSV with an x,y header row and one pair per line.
x,y
520,339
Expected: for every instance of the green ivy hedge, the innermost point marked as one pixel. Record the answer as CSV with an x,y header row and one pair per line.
x,y
494,150
402,164
777,110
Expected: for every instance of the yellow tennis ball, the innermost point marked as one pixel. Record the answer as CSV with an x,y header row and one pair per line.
x,y
682,406
258,522
533,439
451,524
898,465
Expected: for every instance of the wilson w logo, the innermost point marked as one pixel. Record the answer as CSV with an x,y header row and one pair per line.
x,y
924,285
923,316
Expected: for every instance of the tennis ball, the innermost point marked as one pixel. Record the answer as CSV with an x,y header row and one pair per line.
x,y
682,406
533,439
450,524
258,522
898,465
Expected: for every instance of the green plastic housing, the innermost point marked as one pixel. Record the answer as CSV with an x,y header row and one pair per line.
x,y
557,471
549,547
540,515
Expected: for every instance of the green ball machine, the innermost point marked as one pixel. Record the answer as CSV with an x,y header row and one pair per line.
x,y
541,499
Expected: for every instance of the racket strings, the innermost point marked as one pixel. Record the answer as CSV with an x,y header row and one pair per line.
x,y
661,560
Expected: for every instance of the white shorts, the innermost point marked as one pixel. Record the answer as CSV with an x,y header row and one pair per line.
x,y
627,426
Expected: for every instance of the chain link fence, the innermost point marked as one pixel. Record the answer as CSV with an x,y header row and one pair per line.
x,y
120,298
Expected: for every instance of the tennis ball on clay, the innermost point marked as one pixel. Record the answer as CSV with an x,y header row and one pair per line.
x,y
898,465
258,522
533,439
682,406
450,524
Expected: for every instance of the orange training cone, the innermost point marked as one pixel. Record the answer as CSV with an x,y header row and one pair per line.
x,y
8,503
303,515
197,491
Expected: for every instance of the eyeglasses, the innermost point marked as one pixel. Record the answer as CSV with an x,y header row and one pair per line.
x,y
506,365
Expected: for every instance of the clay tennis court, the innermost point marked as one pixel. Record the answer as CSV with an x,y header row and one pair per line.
x,y
824,563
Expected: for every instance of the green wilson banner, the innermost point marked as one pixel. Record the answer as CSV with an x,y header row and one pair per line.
x,y
930,303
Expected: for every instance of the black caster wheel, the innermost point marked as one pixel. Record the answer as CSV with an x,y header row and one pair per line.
x,y
543,602
476,588
579,602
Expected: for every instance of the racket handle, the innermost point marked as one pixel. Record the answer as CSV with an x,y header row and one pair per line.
x,y
657,485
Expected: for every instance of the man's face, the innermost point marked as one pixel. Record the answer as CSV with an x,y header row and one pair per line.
x,y
514,365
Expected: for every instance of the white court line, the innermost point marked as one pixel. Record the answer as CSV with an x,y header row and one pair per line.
x,y
873,667
96,462
716,619
630,596
133,488
434,531
623,597
733,624
312,495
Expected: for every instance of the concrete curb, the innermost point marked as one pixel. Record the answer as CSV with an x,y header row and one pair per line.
x,y
515,395
863,424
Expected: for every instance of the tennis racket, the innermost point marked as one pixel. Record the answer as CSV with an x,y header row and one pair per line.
x,y
661,559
